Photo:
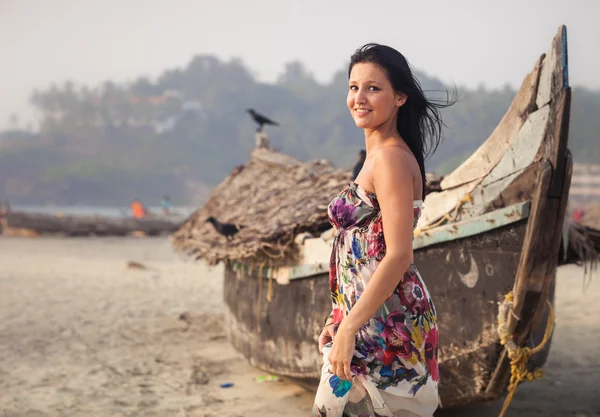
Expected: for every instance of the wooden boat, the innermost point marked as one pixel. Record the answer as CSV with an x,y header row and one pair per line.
x,y
493,228
511,196
28,224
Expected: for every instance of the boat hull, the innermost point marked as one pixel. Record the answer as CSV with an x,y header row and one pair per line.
x,y
467,278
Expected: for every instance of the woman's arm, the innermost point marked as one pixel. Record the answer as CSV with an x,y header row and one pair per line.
x,y
393,181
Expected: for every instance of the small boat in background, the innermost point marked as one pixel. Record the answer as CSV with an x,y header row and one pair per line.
x,y
16,223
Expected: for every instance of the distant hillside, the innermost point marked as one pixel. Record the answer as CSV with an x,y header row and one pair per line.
x,y
183,132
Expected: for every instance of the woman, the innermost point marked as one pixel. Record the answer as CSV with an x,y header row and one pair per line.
x,y
380,342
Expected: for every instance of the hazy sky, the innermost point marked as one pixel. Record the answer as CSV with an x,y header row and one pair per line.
x,y
468,42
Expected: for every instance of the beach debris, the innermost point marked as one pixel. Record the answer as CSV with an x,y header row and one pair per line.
x,y
187,318
226,385
138,266
199,375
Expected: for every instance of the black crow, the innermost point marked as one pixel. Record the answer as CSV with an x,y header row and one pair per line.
x,y
225,229
261,120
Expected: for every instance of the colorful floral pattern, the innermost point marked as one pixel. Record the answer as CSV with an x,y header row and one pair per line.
x,y
396,353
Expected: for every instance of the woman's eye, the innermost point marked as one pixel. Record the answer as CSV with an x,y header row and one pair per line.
x,y
353,88
373,88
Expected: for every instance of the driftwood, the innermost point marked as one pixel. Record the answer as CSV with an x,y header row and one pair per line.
x,y
42,224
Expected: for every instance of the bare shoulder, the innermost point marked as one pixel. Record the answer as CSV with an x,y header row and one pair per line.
x,y
395,161
394,166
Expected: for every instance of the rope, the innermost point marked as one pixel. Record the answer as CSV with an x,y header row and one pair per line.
x,y
465,199
519,355
282,248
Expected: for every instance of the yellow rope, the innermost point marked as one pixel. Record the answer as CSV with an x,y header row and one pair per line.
x,y
519,356
465,199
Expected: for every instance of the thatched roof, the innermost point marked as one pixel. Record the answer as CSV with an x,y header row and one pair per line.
x,y
275,197
583,246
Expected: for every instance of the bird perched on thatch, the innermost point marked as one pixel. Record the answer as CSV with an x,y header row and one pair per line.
x,y
261,120
225,229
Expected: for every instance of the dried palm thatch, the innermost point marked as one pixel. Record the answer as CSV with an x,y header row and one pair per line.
x,y
582,246
275,197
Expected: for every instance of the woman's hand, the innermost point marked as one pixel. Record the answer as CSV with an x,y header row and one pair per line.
x,y
340,355
326,336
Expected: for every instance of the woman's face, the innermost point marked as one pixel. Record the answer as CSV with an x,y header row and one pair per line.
x,y
371,99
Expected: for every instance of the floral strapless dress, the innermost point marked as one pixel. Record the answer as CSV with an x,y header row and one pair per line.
x,y
394,366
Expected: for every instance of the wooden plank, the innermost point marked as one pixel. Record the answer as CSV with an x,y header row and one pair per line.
x,y
552,263
565,57
527,265
550,225
558,195
437,204
520,189
541,246
545,90
557,142
483,196
533,243
523,151
491,151
474,226
554,75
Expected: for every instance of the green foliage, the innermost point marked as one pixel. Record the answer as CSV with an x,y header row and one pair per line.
x,y
186,130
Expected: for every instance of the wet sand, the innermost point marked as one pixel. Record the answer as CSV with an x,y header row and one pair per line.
x,y
84,334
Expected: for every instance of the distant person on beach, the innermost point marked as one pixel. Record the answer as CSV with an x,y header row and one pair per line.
x,y
165,203
380,342
578,215
362,154
137,209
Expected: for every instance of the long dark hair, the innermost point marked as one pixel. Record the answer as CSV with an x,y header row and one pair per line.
x,y
419,119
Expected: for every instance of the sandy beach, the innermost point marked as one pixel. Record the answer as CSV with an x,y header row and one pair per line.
x,y
127,327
